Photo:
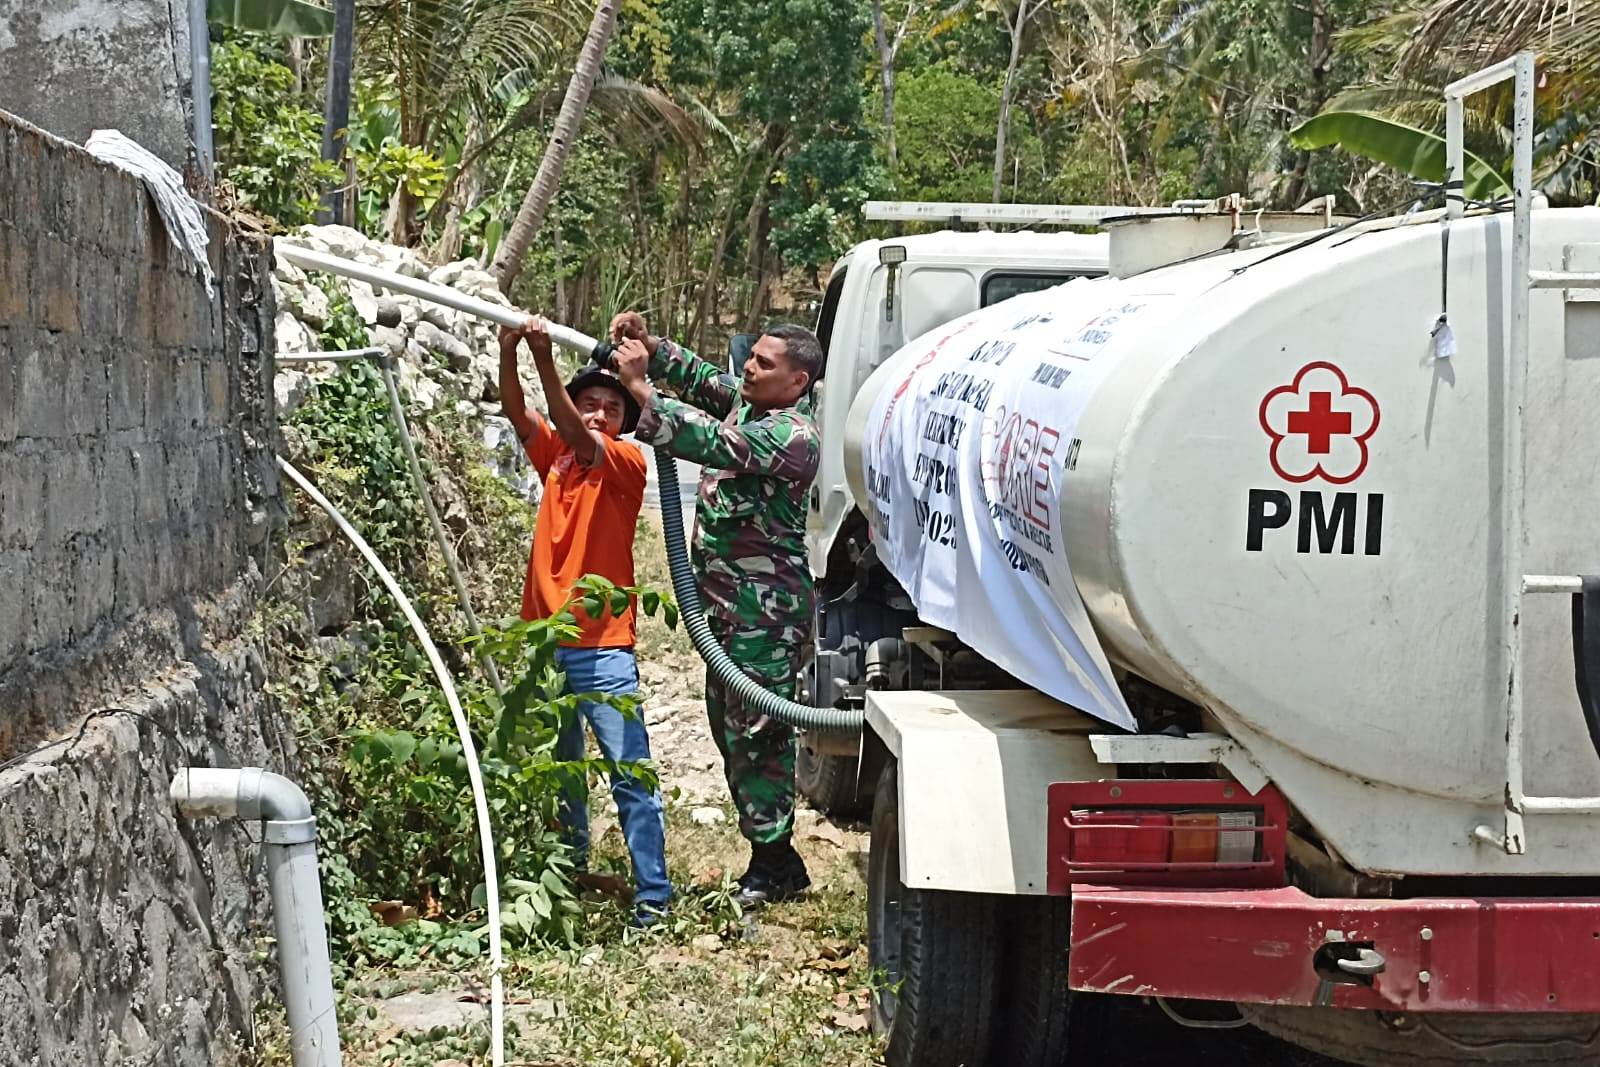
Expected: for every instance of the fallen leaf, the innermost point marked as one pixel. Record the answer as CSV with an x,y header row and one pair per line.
x,y
610,884
855,1022
393,912
828,965
824,831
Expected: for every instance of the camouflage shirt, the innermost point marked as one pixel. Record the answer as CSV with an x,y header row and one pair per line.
x,y
749,538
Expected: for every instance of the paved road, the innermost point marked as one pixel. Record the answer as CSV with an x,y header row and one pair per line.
x,y
688,482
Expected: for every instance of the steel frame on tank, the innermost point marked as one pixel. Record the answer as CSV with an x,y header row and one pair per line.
x,y
1514,584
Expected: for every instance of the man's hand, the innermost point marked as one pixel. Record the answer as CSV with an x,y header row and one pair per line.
x,y
630,325
537,330
632,360
509,339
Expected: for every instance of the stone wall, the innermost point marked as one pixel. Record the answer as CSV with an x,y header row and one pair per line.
x,y
73,66
137,505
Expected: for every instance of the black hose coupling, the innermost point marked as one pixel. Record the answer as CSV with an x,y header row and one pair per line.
x,y
603,355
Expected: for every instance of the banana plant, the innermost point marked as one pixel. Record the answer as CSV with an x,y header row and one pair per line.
x,y
1416,152
285,18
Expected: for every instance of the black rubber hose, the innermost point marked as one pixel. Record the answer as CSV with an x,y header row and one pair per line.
x,y
741,685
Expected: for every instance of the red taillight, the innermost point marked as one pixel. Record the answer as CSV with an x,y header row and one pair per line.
x,y
1192,833
1114,837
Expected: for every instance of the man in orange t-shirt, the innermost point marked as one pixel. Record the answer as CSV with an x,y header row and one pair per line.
x,y
593,488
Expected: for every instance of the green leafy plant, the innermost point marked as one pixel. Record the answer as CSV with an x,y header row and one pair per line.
x,y
269,146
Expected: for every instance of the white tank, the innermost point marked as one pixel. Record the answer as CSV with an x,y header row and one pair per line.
x,y
1278,501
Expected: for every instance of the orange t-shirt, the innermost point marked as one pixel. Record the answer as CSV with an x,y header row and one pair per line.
x,y
585,525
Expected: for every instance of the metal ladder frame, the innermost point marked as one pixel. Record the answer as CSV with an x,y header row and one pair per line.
x,y
1514,584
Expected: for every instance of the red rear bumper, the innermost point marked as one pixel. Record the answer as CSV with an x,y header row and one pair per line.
x,y
1261,946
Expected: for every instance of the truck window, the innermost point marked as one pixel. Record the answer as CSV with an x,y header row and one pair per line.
x,y
829,313
1003,285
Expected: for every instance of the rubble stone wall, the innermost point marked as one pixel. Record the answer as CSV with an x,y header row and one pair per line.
x,y
138,503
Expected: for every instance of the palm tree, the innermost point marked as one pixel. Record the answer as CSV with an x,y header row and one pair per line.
x,y
530,216
446,58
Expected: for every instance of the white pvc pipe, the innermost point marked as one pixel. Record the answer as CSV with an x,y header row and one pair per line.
x,y
289,848
498,314
491,873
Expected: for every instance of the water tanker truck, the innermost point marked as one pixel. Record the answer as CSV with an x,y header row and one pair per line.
x,y
1252,660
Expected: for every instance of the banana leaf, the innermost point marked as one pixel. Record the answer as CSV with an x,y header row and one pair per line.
x,y
285,18
1417,152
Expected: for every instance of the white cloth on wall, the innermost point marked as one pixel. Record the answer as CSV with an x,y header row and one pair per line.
x,y
183,218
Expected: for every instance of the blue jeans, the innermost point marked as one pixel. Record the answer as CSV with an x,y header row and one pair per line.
x,y
622,740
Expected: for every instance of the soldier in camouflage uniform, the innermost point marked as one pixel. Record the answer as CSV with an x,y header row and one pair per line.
x,y
758,444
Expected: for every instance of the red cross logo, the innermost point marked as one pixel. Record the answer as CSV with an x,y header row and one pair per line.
x,y
1319,425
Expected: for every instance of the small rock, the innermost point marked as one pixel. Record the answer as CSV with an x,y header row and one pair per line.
x,y
339,240
656,714
364,298
422,390
291,388
309,304
386,337
707,943
288,273
592,955
289,336
450,272
437,341
442,317
708,816
388,312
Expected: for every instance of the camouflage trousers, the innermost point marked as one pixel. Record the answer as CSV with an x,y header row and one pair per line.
x,y
757,751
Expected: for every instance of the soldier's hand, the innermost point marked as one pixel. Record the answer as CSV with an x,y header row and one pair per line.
x,y
630,325
632,363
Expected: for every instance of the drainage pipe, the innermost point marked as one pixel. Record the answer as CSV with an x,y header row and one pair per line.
x,y
499,314
385,361
289,848
491,873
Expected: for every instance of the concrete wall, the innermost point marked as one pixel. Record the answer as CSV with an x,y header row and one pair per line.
x,y
137,504
72,66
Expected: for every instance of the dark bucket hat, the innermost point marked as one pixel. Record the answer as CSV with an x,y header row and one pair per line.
x,y
595,376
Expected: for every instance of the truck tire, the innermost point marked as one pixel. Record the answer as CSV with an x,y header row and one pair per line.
x,y
932,954
827,781
1426,1039
1035,1004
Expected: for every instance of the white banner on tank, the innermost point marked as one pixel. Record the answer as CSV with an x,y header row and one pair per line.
x,y
964,462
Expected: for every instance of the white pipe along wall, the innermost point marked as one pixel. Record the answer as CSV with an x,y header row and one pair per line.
x,y
289,847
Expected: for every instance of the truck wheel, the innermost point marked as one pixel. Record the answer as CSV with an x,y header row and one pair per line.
x,y
827,781
932,954
1465,1039
1035,1004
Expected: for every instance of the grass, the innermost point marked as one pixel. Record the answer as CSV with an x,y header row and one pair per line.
x,y
708,988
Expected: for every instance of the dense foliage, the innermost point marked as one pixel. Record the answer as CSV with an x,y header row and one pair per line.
x,y
728,146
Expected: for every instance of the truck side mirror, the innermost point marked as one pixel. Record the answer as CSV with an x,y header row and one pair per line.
x,y
739,346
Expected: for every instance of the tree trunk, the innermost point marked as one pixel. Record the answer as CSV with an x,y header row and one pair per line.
x,y
1007,88
886,50
336,108
468,186
530,217
1321,54
561,288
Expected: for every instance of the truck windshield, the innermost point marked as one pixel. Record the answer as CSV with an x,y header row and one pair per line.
x,y
1003,285
830,312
